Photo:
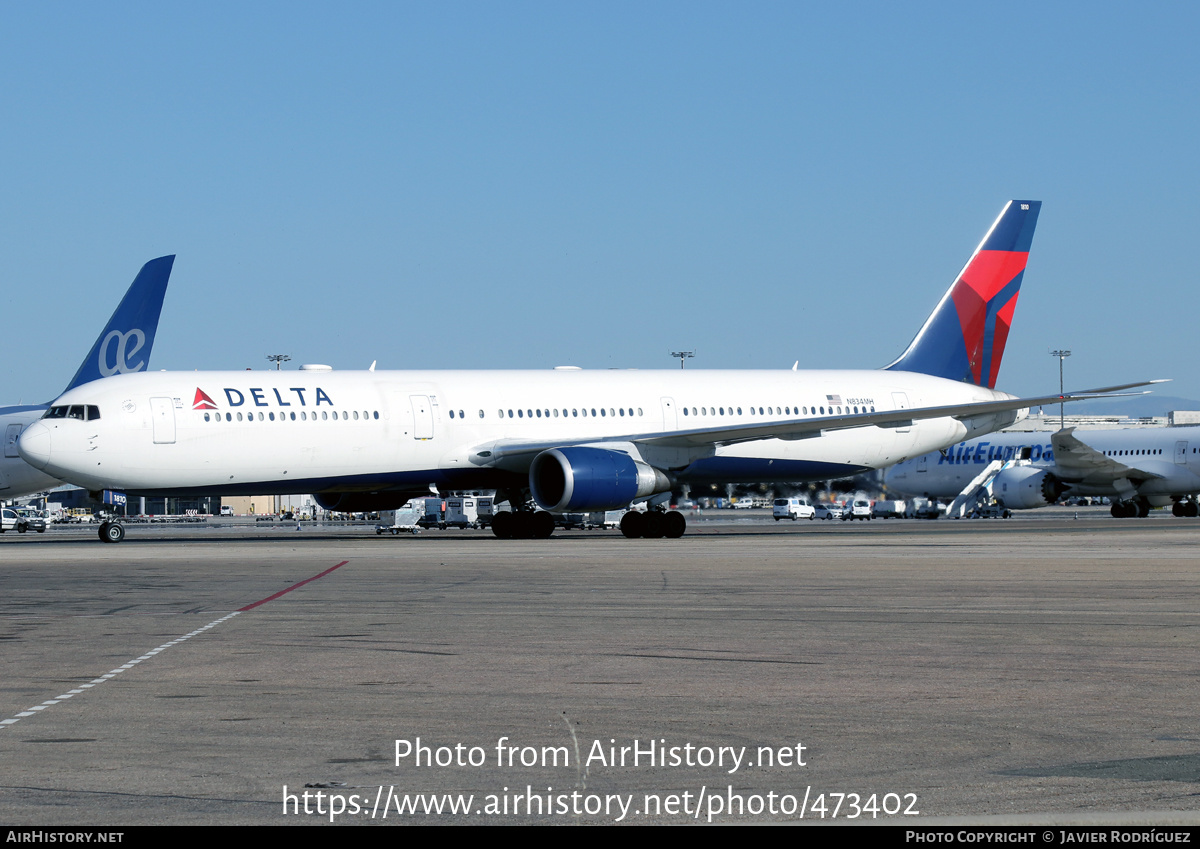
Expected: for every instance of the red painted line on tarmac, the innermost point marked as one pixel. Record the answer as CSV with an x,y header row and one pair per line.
x,y
292,587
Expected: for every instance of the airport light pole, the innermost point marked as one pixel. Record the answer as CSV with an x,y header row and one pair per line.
x,y
684,356
1062,355
278,359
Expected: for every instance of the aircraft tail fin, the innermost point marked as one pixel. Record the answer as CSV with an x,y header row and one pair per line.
x,y
125,343
964,337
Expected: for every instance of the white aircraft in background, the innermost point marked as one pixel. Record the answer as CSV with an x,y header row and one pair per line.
x,y
574,440
1138,468
122,347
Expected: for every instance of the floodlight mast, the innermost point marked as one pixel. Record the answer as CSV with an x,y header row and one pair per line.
x,y
1062,355
684,356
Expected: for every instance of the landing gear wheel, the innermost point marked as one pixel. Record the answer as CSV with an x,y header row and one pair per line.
x,y
112,532
633,524
522,526
654,525
674,525
502,525
1191,510
541,525
1143,509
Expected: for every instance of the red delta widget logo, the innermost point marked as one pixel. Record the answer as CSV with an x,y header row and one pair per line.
x,y
300,397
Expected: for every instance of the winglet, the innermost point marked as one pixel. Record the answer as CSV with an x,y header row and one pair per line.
x,y
125,343
964,337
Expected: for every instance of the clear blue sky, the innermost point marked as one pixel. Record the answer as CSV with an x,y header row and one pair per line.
x,y
523,185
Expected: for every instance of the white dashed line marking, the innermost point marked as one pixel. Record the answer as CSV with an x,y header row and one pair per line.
x,y
6,723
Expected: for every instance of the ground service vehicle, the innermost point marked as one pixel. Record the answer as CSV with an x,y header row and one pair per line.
x,y
793,508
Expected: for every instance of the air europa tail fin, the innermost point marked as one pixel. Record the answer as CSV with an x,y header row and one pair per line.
x,y
125,342
964,337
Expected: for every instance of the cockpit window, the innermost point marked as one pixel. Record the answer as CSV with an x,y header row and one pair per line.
x,y
83,412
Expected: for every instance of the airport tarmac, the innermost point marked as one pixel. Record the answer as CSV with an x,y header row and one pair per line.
x,y
1043,667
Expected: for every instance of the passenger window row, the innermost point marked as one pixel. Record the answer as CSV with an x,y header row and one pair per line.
x,y
572,413
776,411
615,412
325,415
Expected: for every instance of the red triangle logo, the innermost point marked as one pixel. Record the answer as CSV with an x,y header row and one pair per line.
x,y
202,401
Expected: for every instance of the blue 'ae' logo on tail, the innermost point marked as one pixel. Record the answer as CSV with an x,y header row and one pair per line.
x,y
125,343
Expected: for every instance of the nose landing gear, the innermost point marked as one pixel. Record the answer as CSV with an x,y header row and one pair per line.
x,y
112,532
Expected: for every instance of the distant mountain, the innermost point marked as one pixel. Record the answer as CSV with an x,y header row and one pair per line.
x,y
1133,408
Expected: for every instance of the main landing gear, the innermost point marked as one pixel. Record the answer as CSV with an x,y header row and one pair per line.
x,y
1188,509
523,525
112,532
1137,508
653,524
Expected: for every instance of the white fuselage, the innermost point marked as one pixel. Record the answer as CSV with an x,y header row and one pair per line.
x,y
314,431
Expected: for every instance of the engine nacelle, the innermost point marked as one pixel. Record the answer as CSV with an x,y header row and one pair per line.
x,y
1026,487
362,502
580,478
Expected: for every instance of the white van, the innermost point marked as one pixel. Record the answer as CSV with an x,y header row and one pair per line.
x,y
857,508
793,508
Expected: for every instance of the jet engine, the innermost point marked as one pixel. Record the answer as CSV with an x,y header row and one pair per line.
x,y
581,478
362,502
1026,487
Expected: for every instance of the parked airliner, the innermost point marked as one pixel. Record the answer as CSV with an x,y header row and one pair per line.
x,y
123,347
1137,468
574,440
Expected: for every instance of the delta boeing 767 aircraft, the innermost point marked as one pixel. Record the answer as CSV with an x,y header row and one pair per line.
x,y
564,439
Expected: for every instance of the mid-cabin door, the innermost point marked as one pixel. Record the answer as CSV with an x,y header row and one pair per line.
x,y
422,416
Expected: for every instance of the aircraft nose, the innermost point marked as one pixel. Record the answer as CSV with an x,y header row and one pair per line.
x,y
34,445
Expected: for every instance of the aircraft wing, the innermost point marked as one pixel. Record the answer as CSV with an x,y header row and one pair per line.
x,y
1078,462
794,428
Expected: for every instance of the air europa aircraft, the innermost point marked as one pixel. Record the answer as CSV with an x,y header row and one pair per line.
x,y
564,439
123,347
1136,468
